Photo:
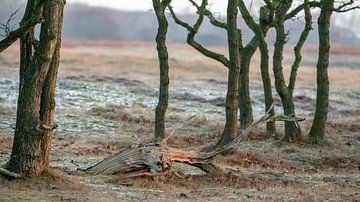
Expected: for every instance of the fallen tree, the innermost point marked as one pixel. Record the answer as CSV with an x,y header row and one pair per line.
x,y
156,159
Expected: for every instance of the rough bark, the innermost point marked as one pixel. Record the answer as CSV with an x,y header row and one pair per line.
x,y
159,7
258,40
231,108
245,106
193,30
317,131
292,130
35,110
298,47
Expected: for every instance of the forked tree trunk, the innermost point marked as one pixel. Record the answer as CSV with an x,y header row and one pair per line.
x,y
260,31
231,109
292,130
159,7
317,131
35,110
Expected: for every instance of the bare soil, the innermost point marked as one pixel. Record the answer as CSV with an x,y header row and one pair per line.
x,y
106,97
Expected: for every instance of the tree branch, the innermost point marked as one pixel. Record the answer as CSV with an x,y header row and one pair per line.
x,y
300,7
299,45
342,8
192,31
19,32
266,118
9,174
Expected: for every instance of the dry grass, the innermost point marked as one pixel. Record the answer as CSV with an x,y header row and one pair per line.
x,y
259,170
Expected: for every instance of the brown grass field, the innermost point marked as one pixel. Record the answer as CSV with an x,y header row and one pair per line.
x,y
106,95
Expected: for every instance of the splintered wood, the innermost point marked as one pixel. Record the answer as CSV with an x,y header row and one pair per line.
x,y
156,159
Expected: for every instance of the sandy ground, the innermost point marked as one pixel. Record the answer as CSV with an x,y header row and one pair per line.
x,y
106,97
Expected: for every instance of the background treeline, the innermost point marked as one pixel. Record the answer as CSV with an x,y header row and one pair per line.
x,y
98,23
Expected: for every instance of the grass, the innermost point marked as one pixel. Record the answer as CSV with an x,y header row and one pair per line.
x,y
103,109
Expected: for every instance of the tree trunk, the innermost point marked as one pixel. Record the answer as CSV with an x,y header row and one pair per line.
x,y
231,109
159,7
265,75
292,131
245,107
260,31
35,110
317,131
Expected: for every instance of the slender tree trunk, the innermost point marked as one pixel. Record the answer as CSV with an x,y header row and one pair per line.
x,y
265,75
317,131
245,106
260,31
292,131
231,109
159,7
35,111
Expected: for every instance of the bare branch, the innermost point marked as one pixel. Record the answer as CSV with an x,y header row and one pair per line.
x,y
299,45
8,173
6,27
299,8
214,21
344,7
19,32
266,118
192,31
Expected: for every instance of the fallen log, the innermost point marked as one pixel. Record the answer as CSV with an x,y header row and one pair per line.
x,y
156,159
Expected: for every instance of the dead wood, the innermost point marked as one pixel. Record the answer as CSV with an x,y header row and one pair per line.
x,y
155,160
9,174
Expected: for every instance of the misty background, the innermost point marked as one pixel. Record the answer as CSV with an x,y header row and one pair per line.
x,y
82,21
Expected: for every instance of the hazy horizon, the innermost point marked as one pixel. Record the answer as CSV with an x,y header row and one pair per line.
x,y
146,5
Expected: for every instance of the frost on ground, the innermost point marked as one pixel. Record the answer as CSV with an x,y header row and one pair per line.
x,y
101,111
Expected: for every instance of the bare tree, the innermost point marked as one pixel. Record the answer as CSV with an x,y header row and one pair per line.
x,y
282,7
231,109
317,131
159,7
230,130
36,103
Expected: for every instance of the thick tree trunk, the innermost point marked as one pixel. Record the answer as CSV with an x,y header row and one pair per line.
x,y
35,111
231,109
162,105
317,131
292,130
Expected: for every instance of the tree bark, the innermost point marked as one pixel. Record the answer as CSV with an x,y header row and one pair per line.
x,y
159,7
317,131
35,110
245,106
292,130
231,109
260,31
